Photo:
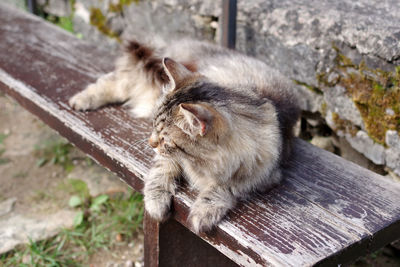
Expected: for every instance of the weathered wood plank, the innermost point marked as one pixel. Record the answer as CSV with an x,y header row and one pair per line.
x,y
326,210
353,188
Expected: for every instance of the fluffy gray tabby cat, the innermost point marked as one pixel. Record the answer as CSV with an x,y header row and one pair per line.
x,y
221,119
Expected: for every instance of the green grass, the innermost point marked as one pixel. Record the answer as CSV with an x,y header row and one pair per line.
x,y
20,174
118,6
65,23
3,160
115,220
2,138
42,195
76,187
2,149
56,152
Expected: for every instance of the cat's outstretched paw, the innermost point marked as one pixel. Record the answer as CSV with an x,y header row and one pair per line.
x,y
158,205
203,217
80,101
85,100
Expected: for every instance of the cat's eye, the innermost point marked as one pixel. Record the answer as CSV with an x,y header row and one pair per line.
x,y
159,127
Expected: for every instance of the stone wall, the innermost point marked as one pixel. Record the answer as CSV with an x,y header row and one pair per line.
x,y
343,56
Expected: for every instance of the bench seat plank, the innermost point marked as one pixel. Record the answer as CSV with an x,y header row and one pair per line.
x,y
326,211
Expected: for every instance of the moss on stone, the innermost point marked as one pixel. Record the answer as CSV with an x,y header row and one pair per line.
x,y
341,60
376,94
344,125
118,7
310,87
324,108
98,20
321,78
378,103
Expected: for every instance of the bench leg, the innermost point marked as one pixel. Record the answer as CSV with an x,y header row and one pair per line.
x,y
171,244
151,241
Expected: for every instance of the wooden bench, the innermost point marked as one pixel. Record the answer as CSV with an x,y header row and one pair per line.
x,y
327,211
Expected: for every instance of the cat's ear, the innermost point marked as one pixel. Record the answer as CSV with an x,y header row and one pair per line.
x,y
176,72
197,119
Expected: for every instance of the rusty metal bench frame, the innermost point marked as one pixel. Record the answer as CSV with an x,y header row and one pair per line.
x,y
327,211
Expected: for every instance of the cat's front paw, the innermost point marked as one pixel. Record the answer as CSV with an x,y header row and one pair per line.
x,y
84,100
158,204
203,216
80,101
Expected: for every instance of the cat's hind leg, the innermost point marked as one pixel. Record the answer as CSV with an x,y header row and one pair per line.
x,y
107,89
137,80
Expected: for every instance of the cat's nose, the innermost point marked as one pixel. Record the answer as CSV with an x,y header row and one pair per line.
x,y
153,142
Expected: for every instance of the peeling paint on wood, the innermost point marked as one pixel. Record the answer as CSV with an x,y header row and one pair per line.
x,y
327,210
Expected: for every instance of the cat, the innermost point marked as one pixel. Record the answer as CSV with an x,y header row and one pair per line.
x,y
221,119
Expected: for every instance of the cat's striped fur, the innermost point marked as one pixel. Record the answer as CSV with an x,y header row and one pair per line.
x,y
221,119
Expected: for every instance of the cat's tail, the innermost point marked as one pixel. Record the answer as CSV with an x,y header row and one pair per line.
x,y
288,111
147,59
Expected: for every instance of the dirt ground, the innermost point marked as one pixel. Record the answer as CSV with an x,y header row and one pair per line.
x,y
39,189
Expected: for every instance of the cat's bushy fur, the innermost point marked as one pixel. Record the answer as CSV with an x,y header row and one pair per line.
x,y
221,119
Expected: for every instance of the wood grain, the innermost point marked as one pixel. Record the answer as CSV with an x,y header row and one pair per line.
x,y
327,211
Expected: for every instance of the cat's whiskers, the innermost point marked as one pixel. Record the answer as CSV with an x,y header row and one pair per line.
x,y
140,142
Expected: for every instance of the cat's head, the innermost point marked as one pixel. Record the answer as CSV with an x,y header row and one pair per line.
x,y
187,120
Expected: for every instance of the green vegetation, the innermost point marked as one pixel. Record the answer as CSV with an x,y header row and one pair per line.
x,y
107,222
310,87
75,187
99,20
55,152
378,101
102,223
45,253
20,174
118,7
42,195
344,125
323,108
376,94
2,138
2,149
65,23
